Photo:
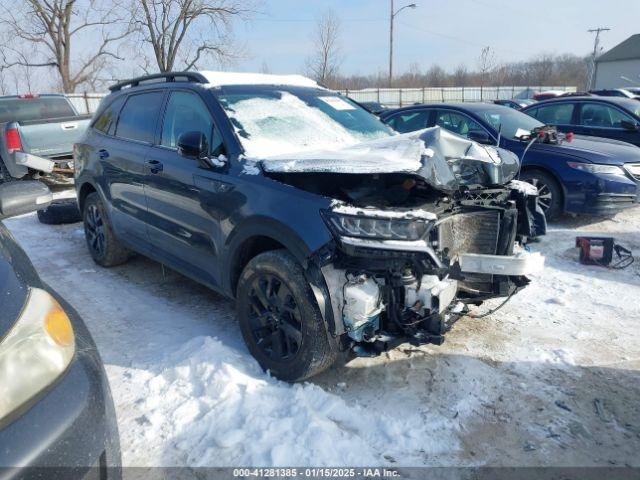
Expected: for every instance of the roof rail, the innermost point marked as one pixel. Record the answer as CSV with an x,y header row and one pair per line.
x,y
167,76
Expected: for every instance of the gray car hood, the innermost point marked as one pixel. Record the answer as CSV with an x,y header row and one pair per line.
x,y
446,161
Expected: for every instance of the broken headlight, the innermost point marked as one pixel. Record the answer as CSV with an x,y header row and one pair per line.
x,y
379,228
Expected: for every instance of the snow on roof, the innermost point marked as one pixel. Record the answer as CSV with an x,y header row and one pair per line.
x,y
218,79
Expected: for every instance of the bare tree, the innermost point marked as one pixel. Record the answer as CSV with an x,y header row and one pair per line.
x,y
45,33
486,63
325,61
181,33
460,76
435,76
264,68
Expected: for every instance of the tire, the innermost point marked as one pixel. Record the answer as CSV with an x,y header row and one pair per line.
x,y
282,326
60,212
5,176
105,249
549,192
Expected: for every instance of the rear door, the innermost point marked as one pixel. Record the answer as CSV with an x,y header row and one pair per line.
x,y
122,157
602,120
183,193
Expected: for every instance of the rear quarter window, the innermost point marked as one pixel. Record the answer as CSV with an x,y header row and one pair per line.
x,y
106,121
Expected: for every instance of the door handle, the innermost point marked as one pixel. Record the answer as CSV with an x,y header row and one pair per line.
x,y
154,166
103,154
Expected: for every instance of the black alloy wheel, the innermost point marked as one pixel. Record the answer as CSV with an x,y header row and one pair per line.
x,y
94,229
275,318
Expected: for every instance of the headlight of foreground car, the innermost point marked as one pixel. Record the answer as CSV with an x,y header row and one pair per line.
x,y
376,228
597,168
35,352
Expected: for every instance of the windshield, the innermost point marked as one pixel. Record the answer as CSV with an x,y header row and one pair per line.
x,y
38,108
508,120
273,120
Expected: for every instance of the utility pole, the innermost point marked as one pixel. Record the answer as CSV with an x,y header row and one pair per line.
x,y
596,44
391,46
392,15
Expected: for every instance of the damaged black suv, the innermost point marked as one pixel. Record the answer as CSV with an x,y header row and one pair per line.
x,y
333,233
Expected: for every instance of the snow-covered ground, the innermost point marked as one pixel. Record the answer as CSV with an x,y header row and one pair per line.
x,y
551,379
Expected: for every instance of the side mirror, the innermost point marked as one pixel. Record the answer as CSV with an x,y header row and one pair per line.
x,y
629,125
193,144
480,136
18,198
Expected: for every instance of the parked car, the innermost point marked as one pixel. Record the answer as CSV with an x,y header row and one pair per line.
x,y
333,233
517,103
546,95
606,117
615,92
374,107
580,176
56,414
37,133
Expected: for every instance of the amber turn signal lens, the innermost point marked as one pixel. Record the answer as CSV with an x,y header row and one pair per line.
x,y
58,326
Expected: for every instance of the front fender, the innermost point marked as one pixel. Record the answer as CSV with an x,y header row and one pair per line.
x,y
310,259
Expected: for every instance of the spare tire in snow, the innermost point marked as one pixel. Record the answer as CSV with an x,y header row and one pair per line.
x,y
60,211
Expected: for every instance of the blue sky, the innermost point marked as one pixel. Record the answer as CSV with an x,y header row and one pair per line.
x,y
438,31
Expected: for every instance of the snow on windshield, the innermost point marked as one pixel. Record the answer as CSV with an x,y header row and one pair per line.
x,y
280,122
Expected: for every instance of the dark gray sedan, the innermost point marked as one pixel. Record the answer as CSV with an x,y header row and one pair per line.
x,y
57,418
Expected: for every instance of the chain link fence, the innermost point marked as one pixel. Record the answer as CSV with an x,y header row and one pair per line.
x,y
399,97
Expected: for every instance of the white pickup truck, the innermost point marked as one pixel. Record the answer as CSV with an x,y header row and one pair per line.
x,y
37,133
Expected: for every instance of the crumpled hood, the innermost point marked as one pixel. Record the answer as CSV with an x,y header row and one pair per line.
x,y
596,150
446,161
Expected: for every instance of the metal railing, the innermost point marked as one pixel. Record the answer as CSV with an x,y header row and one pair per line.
x,y
392,97
86,102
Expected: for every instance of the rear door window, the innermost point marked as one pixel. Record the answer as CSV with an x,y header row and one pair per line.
x,y
457,123
602,116
560,114
139,116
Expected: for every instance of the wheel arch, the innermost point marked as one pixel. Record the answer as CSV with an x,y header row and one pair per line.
x,y
263,235
258,235
85,190
554,175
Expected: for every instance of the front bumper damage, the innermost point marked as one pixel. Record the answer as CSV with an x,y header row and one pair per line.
x,y
424,224
385,292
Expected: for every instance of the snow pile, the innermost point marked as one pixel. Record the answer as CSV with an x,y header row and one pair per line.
x,y
213,406
551,379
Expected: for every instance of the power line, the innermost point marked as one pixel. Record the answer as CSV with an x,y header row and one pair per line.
x,y
463,40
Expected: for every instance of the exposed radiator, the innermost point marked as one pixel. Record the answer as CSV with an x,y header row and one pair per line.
x,y
474,232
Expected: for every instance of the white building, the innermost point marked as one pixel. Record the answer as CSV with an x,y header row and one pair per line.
x,y
622,60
